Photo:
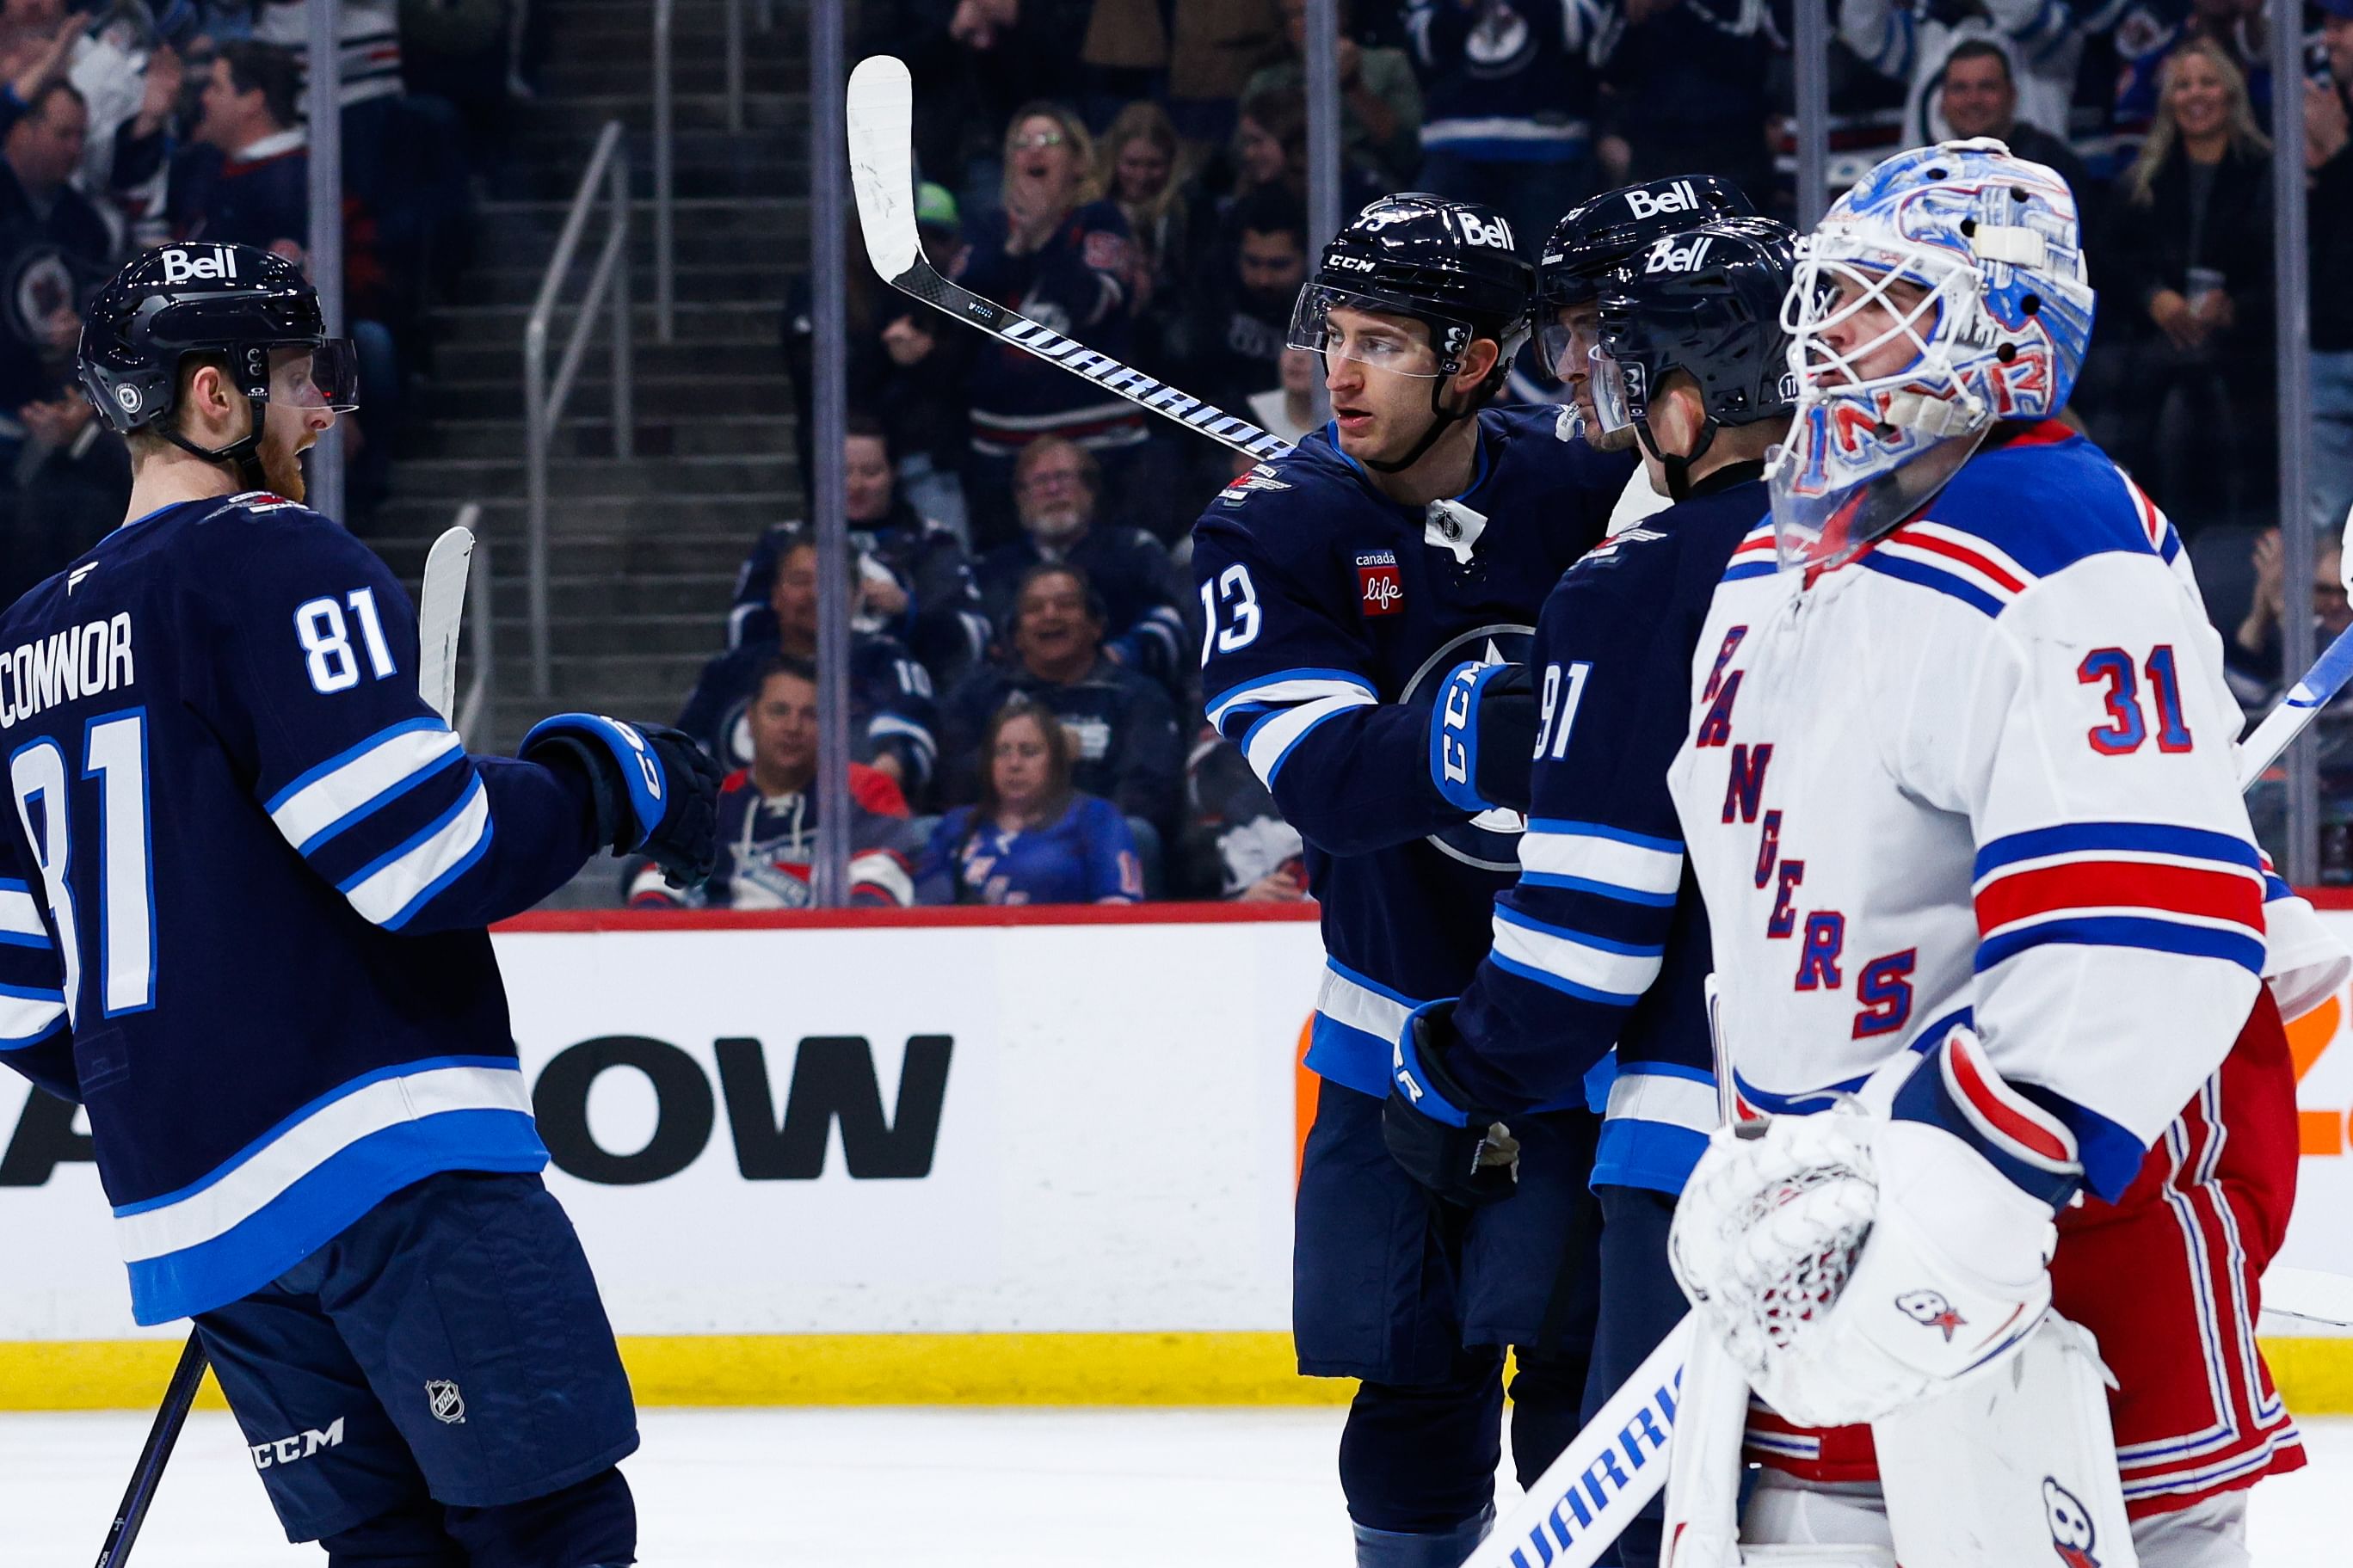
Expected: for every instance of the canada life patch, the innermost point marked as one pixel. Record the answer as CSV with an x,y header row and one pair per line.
x,y
1380,591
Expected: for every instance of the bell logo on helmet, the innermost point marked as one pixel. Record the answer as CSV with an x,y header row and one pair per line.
x,y
1678,197
182,267
1493,232
1665,256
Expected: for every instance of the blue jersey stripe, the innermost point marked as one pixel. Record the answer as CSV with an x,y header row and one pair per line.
x,y
1920,574
1599,889
2127,931
2148,838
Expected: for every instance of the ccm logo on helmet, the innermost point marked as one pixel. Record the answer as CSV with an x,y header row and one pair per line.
x,y
1666,257
1678,197
1477,230
181,267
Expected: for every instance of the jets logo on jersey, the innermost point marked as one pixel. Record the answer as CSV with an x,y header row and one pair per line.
x,y
1381,589
1491,840
1930,1310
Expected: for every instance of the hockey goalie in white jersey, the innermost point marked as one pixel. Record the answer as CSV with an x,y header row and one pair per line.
x,y
1959,792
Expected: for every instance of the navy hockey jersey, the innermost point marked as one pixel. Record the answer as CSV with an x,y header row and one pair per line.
x,y
1334,616
1603,939
243,881
892,709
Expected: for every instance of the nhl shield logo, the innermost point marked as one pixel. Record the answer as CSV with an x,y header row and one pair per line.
x,y
449,1405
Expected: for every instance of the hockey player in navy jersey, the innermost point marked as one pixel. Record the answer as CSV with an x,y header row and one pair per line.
x,y
244,875
1603,940
1340,584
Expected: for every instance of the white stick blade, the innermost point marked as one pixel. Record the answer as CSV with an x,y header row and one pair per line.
x,y
881,107
441,611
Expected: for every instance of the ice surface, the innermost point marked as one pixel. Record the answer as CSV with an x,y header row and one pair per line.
x,y
815,1489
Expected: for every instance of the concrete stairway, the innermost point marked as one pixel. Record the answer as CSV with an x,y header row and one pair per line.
x,y
643,549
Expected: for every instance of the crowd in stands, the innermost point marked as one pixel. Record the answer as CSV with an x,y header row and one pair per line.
x,y
1132,172
129,125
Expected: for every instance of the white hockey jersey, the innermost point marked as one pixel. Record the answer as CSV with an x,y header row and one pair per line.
x,y
1981,773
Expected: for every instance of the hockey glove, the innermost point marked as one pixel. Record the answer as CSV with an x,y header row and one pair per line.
x,y
1443,1141
1483,736
1856,1260
656,792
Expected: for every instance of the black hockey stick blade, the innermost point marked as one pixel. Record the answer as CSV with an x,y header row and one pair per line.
x,y
178,1396
881,116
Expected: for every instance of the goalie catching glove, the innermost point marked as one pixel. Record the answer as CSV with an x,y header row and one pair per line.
x,y
1858,1259
655,791
1449,1145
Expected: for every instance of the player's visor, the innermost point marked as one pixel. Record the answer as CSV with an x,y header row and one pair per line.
x,y
1338,324
1613,408
1565,339
316,375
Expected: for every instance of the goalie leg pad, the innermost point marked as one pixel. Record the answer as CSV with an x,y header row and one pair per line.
x,y
2015,1467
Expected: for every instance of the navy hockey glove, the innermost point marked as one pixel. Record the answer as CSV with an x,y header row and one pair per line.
x,y
1443,1141
1482,737
656,792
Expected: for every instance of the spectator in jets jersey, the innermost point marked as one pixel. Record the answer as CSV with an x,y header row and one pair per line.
x,y
1123,727
768,815
1058,486
915,580
891,708
1031,838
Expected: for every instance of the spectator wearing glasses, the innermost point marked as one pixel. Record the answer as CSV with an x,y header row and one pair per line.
x,y
1123,726
1058,253
891,711
1057,487
768,815
1032,838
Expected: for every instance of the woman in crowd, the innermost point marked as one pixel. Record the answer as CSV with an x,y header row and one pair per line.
x,y
1031,838
1140,162
1057,252
2192,250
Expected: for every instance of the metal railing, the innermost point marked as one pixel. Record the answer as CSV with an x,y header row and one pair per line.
x,y
543,398
481,684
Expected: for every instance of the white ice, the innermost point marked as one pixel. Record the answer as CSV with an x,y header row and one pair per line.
x,y
813,1488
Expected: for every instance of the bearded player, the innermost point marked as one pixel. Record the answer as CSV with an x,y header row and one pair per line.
x,y
1989,923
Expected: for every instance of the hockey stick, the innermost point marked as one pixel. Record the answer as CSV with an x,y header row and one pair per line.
x,y
441,611
881,105
178,1395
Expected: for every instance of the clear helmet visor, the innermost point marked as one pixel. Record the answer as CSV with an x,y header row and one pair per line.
x,y
1613,404
1338,324
317,375
1566,338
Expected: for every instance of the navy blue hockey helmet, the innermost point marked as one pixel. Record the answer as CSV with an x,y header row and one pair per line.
x,y
1600,235
1706,302
1451,266
232,301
